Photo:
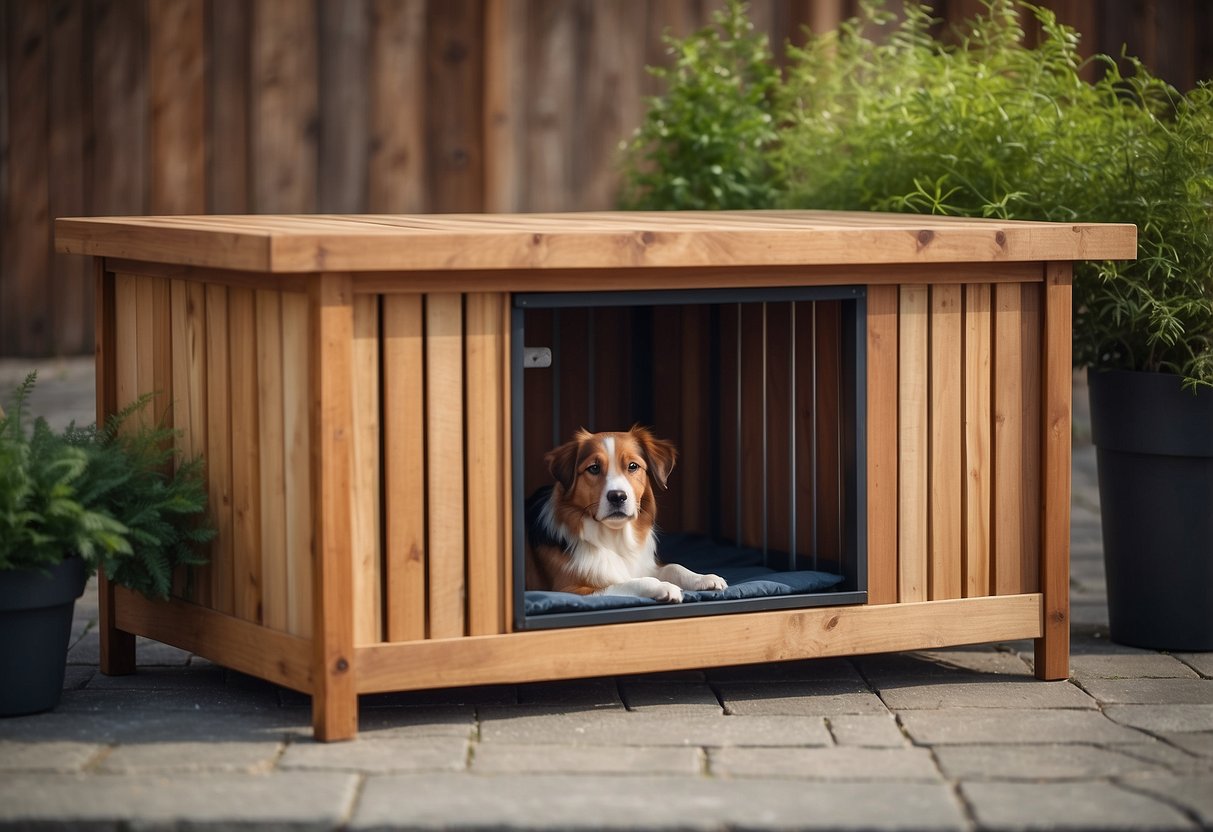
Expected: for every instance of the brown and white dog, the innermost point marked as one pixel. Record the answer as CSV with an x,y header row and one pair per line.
x,y
592,532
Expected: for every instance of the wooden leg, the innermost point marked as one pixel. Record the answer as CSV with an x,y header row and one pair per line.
x,y
117,647
1053,648
334,695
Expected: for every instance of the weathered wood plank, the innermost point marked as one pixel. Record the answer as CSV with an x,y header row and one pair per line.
x,y
505,102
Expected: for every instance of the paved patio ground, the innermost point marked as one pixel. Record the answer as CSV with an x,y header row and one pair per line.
x,y
950,739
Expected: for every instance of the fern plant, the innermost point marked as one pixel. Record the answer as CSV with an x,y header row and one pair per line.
x,y
110,495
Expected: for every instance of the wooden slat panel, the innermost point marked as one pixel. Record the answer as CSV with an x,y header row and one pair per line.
x,y
913,451
538,387
196,382
145,346
404,466
978,455
397,169
614,344
485,342
297,463
161,407
828,452
946,437
1007,439
779,450
444,463
344,30
1053,649
177,93
806,444
571,361
753,379
728,519
183,441
284,106
119,108
368,572
551,73
1031,323
455,109
227,120
246,456
506,488
505,102
272,445
882,434
218,449
697,456
126,343
331,317
668,404
70,288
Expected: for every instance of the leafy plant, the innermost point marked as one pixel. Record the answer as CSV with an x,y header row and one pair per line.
x,y
109,495
704,143
879,115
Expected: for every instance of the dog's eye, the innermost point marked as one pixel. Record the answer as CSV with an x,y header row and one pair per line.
x,y
633,466
594,469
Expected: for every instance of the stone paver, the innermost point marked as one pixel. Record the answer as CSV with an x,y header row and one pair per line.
x,y
1040,762
47,755
867,730
1161,719
977,726
379,756
505,759
825,763
176,758
1202,663
681,697
961,663
1019,693
1151,691
1077,805
449,801
648,729
798,698
1200,744
1193,794
1143,665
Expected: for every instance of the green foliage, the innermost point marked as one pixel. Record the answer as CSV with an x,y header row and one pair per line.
x,y
703,145
102,494
879,115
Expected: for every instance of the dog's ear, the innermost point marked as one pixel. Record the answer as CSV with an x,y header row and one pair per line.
x,y
562,461
660,454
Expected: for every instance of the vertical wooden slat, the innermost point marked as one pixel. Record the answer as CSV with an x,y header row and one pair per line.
x,y
827,452
538,385
977,451
397,164
227,120
177,114
444,463
779,450
404,466
195,382
882,433
117,648
571,353
119,108
334,692
218,448
125,337
455,111
161,406
668,403
246,459
70,286
697,459
505,101
726,516
343,30
946,471
1053,648
913,467
183,441
506,475
484,342
272,447
25,309
551,77
297,463
1030,491
752,398
368,573
806,442
284,106
145,346
1007,437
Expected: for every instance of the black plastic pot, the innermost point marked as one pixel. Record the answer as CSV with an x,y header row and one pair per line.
x,y
1154,448
35,626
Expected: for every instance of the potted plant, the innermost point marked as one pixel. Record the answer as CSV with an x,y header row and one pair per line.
x,y
880,115
72,503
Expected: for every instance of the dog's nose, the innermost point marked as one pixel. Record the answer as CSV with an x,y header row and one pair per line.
x,y
617,498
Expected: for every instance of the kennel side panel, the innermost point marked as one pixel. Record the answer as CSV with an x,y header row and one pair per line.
x,y
881,428
368,572
946,439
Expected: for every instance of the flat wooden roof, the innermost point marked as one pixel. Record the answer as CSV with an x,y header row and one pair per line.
x,y
461,242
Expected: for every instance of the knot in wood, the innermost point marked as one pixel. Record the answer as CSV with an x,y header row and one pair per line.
x,y
1001,239
925,237
342,665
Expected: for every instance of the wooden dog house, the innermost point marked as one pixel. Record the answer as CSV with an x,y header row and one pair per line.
x,y
349,381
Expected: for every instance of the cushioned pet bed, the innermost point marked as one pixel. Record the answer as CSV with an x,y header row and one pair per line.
x,y
742,569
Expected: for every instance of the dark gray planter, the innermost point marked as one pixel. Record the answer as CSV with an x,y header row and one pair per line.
x,y
1154,447
35,626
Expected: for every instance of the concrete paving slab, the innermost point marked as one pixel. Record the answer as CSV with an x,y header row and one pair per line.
x,y
867,730
507,759
150,679
671,697
1146,665
190,757
215,699
803,670
963,663
640,728
1171,757
833,764
1151,691
283,800
985,692
1072,805
62,756
1193,794
825,698
148,653
432,721
378,756
1202,663
983,726
1039,762
76,676
661,803
1200,744
1163,719
596,693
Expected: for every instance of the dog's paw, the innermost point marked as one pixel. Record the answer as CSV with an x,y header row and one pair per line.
x,y
709,583
666,593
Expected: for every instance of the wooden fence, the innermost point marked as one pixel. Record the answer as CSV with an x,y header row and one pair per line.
x,y
297,106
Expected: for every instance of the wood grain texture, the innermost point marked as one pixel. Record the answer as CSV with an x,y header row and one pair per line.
x,y
882,432
228,142
455,109
827,375
913,452
271,439
246,456
444,456
978,455
1007,439
119,108
344,105
334,697
505,103
219,573
946,441
1053,647
177,168
367,516
404,442
297,352
1031,381
397,165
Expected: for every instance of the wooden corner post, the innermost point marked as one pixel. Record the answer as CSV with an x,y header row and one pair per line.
x,y
117,647
1052,649
334,695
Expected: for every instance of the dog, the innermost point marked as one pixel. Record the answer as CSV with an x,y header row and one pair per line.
x,y
592,532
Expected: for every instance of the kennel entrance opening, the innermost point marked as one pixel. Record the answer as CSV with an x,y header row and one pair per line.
x,y
763,393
